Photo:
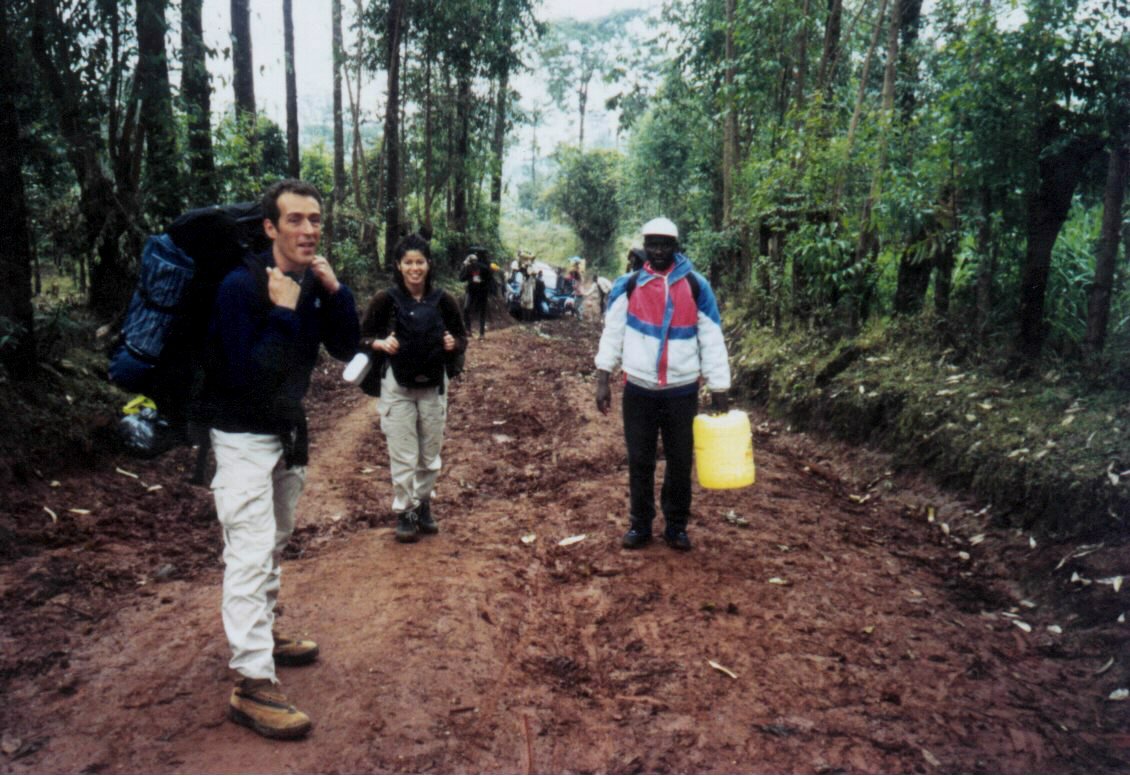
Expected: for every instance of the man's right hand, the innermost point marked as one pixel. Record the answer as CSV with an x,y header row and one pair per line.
x,y
282,290
603,392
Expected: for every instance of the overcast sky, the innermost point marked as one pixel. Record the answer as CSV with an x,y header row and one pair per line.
x,y
313,44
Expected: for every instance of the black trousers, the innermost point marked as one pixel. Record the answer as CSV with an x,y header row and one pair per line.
x,y
475,302
645,418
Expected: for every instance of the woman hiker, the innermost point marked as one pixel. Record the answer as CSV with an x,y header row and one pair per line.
x,y
419,332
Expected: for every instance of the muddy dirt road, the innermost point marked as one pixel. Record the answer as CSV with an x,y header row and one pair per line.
x,y
848,631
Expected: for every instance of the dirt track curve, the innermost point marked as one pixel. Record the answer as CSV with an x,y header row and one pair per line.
x,y
854,635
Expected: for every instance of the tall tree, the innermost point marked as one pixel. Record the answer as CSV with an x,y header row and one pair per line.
x,y
1106,257
575,52
196,101
338,195
293,163
394,25
16,314
243,80
163,174
729,118
107,205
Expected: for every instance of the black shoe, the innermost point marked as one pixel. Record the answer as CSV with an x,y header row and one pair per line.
x,y
677,539
424,520
406,528
636,537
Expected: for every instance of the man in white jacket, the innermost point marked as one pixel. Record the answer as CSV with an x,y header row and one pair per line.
x,y
662,328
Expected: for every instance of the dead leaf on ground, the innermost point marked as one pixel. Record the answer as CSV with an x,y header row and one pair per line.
x,y
722,669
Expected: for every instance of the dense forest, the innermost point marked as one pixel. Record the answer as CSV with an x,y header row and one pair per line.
x,y
830,163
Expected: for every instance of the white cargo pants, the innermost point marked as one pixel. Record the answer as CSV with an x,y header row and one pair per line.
x,y
412,420
255,497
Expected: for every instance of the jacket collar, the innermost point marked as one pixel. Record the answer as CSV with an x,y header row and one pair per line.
x,y
680,269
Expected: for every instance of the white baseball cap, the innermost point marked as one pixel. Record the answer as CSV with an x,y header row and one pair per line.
x,y
660,227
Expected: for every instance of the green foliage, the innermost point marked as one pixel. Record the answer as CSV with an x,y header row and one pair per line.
x,y
586,193
237,157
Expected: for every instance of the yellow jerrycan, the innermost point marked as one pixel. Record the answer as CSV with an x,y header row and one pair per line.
x,y
723,449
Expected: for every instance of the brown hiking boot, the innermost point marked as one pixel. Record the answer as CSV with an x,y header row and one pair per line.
x,y
294,652
261,705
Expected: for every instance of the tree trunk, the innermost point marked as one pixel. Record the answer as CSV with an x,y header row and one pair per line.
x,y
729,122
582,104
163,173
337,197
868,246
1106,257
392,129
459,215
914,271
1048,207
15,248
243,77
857,111
196,97
800,84
429,191
986,264
500,117
104,210
831,52
293,161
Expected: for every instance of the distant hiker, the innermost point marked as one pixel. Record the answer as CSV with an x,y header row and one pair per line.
x,y
529,290
479,277
265,332
663,329
420,330
541,303
578,291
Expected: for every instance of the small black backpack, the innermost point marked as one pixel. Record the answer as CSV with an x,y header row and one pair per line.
x,y
421,360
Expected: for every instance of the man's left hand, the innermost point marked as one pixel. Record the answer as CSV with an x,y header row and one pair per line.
x,y
325,273
720,402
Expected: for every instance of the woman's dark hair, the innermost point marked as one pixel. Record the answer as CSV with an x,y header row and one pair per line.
x,y
412,242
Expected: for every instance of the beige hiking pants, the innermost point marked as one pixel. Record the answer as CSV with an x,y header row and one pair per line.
x,y
412,420
255,497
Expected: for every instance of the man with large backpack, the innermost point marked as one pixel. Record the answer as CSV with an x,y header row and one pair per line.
x,y
477,274
270,318
663,329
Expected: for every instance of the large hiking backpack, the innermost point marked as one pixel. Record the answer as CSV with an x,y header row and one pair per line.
x,y
420,360
161,351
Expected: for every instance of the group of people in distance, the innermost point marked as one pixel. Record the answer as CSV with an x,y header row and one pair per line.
x,y
662,330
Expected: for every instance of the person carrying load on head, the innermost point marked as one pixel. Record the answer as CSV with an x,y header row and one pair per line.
x,y
418,329
662,328
266,332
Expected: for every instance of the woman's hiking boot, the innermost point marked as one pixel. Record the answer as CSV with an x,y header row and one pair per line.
x,y
407,529
294,652
424,520
261,705
638,535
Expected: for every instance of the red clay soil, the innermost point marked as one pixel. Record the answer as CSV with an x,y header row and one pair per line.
x,y
823,622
